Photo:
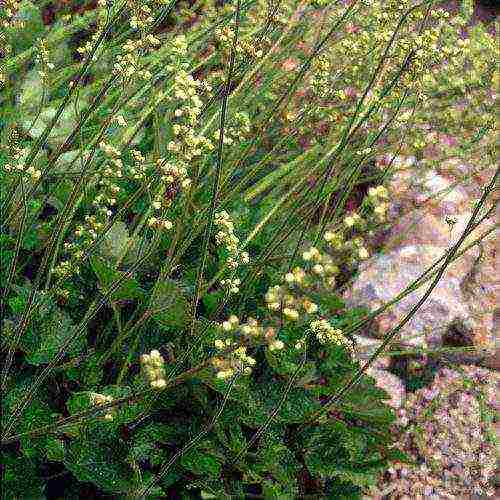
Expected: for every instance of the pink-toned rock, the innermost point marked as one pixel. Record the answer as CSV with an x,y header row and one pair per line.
x,y
390,383
365,347
431,211
385,276
393,385
444,430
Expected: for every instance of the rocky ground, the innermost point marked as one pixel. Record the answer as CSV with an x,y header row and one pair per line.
x,y
443,382
445,431
443,425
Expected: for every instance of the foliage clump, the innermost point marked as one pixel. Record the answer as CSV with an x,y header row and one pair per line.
x,y
186,188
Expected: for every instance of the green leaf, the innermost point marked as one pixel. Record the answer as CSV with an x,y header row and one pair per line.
x,y
17,304
115,242
88,373
128,290
100,463
276,459
144,445
24,39
272,490
211,301
395,455
231,435
51,330
79,401
364,401
36,414
55,449
20,478
346,453
64,126
170,305
201,463
298,403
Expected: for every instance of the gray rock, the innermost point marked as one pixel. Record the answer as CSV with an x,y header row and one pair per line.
x,y
431,210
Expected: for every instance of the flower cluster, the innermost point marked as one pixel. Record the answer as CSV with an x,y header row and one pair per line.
x,y
9,17
174,179
377,196
292,296
100,399
107,184
109,177
139,168
172,174
246,47
187,143
237,130
96,31
5,50
347,241
226,238
321,76
43,60
234,342
16,165
128,63
321,265
141,16
238,361
327,334
234,356
345,249
153,366
292,299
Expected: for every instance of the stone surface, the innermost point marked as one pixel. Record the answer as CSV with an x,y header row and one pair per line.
x,y
390,383
365,348
385,276
431,210
445,429
442,427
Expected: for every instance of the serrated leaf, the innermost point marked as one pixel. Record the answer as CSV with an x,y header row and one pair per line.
x,y
211,301
338,451
49,333
115,242
100,463
79,401
88,372
298,403
279,461
201,463
35,415
55,449
33,28
395,455
20,478
128,290
170,305
272,490
35,124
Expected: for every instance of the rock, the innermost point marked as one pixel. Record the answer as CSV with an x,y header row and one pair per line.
x,y
385,276
365,348
393,385
432,211
390,383
444,430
